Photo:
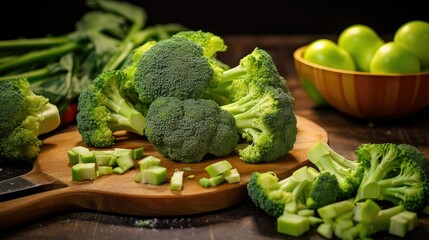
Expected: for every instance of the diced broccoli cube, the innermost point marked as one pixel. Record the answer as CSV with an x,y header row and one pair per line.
x,y
83,171
154,175
232,176
292,224
218,168
176,181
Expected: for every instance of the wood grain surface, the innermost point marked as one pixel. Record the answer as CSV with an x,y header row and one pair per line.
x,y
121,194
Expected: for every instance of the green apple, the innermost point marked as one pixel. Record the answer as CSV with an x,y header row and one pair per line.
x,y
327,53
361,42
414,35
392,57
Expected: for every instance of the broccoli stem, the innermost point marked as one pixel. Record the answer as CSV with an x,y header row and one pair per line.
x,y
49,118
38,56
124,115
233,73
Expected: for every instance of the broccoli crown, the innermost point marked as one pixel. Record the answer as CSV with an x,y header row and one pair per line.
x,y
266,121
397,173
264,191
323,191
258,66
175,67
24,116
105,109
187,130
348,173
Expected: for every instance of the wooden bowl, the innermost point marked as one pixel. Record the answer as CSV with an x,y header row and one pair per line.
x,y
363,94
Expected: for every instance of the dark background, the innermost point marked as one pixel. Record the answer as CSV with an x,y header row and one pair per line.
x,y
37,18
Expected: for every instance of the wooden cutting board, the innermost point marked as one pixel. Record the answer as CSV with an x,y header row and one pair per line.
x,y
121,194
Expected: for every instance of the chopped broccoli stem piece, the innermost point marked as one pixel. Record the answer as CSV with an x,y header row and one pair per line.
x,y
104,170
204,182
73,157
138,153
176,181
399,225
112,161
118,170
83,171
365,212
382,220
232,176
334,209
293,224
102,159
154,175
148,162
326,230
218,168
217,180
125,161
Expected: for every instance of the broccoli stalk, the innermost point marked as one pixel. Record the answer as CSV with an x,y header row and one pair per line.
x,y
25,116
348,173
397,173
104,108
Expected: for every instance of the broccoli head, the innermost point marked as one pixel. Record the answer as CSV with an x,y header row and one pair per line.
x,y
187,130
104,108
397,173
266,121
24,117
175,67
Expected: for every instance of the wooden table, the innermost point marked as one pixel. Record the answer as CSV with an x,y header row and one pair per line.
x,y
246,221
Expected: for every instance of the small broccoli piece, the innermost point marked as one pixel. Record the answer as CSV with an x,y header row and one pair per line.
x,y
349,173
187,130
323,191
264,191
104,108
288,195
397,173
266,122
174,67
24,117
210,43
233,83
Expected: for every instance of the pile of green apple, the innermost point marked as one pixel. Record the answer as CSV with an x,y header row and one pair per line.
x,y
360,48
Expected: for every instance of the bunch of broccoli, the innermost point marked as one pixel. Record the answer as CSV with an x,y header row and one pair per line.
x,y
252,97
389,174
24,117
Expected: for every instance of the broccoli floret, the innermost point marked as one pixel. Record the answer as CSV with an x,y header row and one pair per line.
x,y
175,67
233,83
397,173
349,173
210,43
323,191
264,191
104,108
24,117
306,188
266,121
187,130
